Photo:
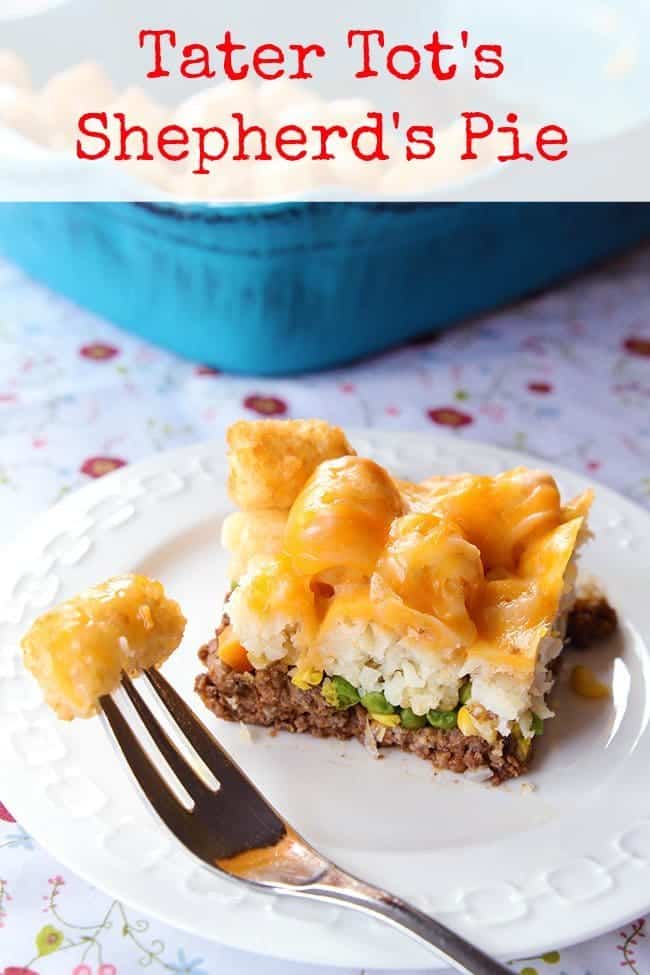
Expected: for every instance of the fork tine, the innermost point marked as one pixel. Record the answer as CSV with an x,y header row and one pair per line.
x,y
228,823
251,821
155,789
177,763
204,743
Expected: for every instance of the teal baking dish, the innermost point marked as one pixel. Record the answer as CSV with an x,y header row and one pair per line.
x,y
281,288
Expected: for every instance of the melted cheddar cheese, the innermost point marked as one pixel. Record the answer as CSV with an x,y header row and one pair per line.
x,y
341,519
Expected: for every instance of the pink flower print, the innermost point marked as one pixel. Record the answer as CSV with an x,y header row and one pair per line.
x,y
347,387
393,410
99,351
593,465
13,970
7,397
5,815
58,880
449,416
266,405
533,344
638,345
98,466
493,411
104,969
631,387
456,373
578,328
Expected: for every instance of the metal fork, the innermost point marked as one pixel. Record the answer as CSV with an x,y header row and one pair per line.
x,y
230,827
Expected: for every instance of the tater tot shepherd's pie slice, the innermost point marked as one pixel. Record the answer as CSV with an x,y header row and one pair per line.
x,y
428,616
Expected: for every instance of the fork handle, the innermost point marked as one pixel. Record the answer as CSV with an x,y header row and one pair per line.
x,y
341,888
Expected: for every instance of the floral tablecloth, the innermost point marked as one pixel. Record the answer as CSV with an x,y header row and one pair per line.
x,y
565,376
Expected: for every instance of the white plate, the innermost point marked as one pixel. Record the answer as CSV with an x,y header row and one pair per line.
x,y
518,870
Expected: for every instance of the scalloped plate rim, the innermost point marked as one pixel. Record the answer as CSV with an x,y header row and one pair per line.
x,y
172,460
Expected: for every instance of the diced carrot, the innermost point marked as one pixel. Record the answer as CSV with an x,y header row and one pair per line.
x,y
233,654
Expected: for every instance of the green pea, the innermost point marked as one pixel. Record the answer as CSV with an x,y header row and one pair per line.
x,y
339,693
411,720
442,719
537,725
465,692
348,695
376,703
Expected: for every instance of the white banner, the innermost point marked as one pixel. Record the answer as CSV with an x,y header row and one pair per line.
x,y
251,101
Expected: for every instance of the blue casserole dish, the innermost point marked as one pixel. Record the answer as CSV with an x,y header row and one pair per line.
x,y
291,287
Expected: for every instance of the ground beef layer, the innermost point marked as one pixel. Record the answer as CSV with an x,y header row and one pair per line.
x,y
268,698
591,620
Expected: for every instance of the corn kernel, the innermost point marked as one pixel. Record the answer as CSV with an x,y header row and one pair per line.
x,y
304,679
470,724
522,743
586,684
388,720
466,722
523,748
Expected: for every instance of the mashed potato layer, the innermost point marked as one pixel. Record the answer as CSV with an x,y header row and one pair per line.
x,y
373,658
